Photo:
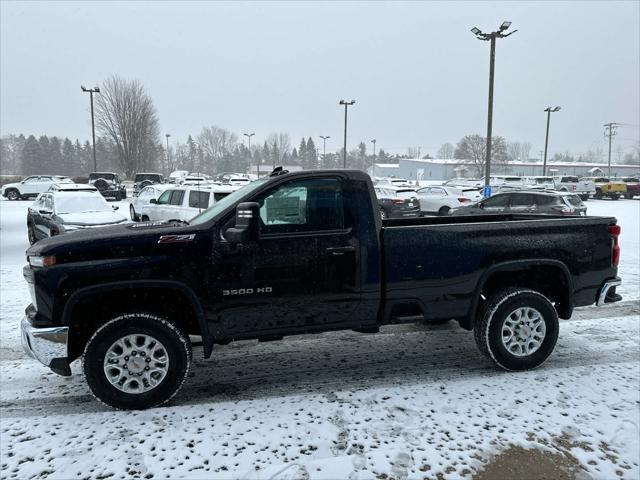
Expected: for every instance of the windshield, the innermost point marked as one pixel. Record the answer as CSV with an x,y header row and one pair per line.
x,y
140,177
405,194
79,204
106,176
226,202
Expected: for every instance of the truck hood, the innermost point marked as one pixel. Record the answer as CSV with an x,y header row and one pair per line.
x,y
118,241
106,217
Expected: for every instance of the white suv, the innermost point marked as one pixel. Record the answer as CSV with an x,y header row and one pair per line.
x,y
32,186
185,202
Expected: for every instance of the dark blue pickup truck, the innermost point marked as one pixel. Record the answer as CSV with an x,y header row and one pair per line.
x,y
298,253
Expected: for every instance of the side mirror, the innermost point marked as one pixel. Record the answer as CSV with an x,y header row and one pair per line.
x,y
247,223
115,207
153,200
45,212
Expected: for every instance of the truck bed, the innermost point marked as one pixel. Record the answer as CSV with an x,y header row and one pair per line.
x,y
434,264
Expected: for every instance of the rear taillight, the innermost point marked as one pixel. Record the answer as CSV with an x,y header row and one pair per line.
x,y
614,231
573,188
565,210
463,199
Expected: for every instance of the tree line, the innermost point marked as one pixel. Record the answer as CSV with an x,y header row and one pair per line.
x,y
129,141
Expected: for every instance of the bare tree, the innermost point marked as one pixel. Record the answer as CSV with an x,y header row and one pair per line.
x,y
472,149
446,151
279,147
125,114
413,152
216,143
515,150
525,150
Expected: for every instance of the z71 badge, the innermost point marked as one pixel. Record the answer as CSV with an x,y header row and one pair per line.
x,y
177,238
246,291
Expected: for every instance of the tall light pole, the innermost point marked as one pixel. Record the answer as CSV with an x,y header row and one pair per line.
x,y
167,135
324,147
249,135
611,132
546,138
91,91
491,37
344,153
373,163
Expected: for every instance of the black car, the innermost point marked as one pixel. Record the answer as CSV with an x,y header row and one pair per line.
x,y
142,180
397,202
548,202
108,184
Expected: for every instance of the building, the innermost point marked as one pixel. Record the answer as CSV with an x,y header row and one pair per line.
x,y
444,169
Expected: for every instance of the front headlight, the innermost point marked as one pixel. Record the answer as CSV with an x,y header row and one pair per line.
x,y
42,261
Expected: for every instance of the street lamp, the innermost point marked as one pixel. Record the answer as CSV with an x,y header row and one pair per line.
x,y
546,139
346,104
91,91
480,35
373,164
324,148
249,135
167,135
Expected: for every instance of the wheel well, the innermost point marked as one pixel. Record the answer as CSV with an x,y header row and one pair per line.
x,y
549,280
92,311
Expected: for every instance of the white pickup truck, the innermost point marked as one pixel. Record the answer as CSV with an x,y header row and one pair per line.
x,y
184,202
570,183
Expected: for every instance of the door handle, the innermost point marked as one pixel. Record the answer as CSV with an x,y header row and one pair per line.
x,y
340,250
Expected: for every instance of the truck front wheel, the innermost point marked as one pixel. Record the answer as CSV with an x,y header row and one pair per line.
x,y
136,361
518,329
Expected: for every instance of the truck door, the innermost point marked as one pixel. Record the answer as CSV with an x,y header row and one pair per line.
x,y
302,272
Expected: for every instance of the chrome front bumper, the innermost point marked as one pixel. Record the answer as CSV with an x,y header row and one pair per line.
x,y
47,345
608,285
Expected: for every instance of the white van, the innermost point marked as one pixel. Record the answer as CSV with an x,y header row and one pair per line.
x,y
185,202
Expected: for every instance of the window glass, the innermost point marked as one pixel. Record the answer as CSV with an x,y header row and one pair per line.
x,y
521,200
47,203
164,198
405,194
569,180
546,200
217,196
146,192
575,200
497,201
176,197
199,199
436,192
31,180
300,206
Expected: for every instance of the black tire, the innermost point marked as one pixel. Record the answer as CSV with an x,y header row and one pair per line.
x,y
598,194
175,344
145,218
614,196
584,198
489,328
444,211
124,194
101,184
628,196
117,197
132,213
12,194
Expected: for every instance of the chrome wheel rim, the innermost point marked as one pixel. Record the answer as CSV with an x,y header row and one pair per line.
x,y
523,331
136,363
12,195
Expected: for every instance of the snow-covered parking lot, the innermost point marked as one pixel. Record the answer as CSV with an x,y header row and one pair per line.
x,y
412,402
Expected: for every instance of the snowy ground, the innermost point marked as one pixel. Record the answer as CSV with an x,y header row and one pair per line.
x,y
411,402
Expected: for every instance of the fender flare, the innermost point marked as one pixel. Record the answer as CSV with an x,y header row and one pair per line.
x,y
516,265
82,293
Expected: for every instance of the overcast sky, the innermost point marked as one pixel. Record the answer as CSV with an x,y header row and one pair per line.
x,y
419,77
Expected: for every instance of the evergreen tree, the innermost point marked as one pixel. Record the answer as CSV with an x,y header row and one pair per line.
x,y
44,151
302,153
312,155
54,157
68,161
266,154
30,156
192,154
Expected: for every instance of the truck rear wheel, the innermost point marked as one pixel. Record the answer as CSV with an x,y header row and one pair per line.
x,y
518,329
136,361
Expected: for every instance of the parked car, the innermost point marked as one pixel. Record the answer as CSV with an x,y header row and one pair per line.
x,y
464,182
237,181
185,202
108,184
394,182
178,176
333,265
633,186
498,180
57,212
31,186
142,180
197,179
547,202
397,202
570,183
607,188
440,199
141,201
72,187
539,182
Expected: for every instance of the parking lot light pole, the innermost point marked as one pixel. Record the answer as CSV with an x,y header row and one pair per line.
x,y
167,135
373,163
91,91
490,37
546,138
324,147
344,153
249,135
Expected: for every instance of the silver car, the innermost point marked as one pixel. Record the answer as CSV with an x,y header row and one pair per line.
x,y
545,202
